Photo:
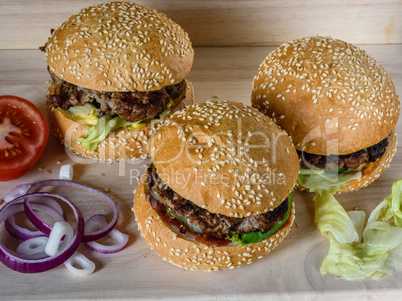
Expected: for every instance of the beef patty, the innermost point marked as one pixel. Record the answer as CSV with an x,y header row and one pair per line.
x,y
131,106
214,224
353,160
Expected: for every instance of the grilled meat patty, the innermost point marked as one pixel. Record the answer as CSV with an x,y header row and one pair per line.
x,y
352,161
214,224
131,106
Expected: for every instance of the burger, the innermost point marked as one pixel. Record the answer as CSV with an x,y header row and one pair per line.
x,y
117,69
337,104
218,191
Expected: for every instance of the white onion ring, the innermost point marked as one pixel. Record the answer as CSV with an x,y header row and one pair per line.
x,y
33,248
86,266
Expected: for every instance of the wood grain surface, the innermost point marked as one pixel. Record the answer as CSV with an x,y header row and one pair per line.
x,y
25,24
290,271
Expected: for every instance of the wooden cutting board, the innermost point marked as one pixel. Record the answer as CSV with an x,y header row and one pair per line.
x,y
290,271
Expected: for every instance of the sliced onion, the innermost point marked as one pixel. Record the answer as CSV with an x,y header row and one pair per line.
x,y
45,228
80,265
66,172
16,192
30,256
33,248
15,262
152,200
24,233
60,236
97,222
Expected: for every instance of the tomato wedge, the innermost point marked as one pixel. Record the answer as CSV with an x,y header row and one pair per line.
x,y
23,136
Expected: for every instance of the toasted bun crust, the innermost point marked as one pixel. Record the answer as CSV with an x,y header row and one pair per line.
x,y
226,157
120,145
193,255
380,165
326,94
120,46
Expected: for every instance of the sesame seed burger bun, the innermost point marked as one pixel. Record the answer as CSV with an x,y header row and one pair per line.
x,y
120,46
227,158
120,145
322,90
197,255
334,101
125,59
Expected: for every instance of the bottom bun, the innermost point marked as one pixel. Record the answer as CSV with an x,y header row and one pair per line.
x,y
380,164
120,145
196,255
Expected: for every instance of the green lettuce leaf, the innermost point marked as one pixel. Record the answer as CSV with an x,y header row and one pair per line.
x,y
101,127
100,130
353,261
331,217
394,203
257,236
319,180
85,114
377,251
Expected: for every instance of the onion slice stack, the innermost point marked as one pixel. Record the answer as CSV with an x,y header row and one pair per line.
x,y
30,256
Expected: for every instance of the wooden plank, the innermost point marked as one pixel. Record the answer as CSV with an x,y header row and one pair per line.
x,y
290,271
25,24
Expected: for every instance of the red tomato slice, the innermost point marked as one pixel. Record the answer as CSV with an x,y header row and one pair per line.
x,y
23,136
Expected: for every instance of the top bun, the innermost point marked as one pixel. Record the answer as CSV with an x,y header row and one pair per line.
x,y
328,95
120,46
225,157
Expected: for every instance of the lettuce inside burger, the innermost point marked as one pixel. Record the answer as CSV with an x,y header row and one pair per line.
x,y
218,192
337,104
117,68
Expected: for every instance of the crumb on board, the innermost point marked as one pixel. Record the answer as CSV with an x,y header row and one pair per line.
x,y
297,225
102,174
40,168
356,208
58,162
107,189
49,171
215,95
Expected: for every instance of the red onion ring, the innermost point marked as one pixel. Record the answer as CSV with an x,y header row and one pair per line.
x,y
23,233
59,182
16,192
22,265
99,221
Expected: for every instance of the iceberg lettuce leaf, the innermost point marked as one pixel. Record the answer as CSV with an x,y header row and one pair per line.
x,y
101,127
378,253
331,217
85,114
100,130
319,180
352,261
